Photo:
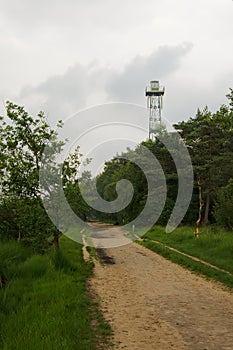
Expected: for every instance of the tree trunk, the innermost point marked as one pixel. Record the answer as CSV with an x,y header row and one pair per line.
x,y
200,209
56,243
19,233
3,280
207,207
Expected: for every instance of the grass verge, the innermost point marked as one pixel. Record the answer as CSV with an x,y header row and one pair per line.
x,y
45,304
214,247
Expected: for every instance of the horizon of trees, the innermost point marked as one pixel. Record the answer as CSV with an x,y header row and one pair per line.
x,y
209,139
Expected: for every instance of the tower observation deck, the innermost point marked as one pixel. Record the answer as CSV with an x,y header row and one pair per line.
x,y
154,94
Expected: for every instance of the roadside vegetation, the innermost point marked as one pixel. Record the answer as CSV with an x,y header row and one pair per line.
x,y
214,246
45,303
44,298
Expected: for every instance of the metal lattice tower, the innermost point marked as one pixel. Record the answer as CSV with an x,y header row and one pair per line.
x,y
154,94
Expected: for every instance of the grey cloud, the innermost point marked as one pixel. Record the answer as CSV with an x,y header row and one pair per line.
x,y
184,95
62,95
128,85
70,87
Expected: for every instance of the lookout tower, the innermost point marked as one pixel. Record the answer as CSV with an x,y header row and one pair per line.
x,y
154,94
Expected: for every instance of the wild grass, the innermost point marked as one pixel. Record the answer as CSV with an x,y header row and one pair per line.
x,y
214,246
11,254
45,304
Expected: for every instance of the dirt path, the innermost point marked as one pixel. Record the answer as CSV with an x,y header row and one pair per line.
x,y
155,304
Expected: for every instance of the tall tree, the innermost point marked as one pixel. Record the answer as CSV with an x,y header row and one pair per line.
x,y
22,144
223,207
209,138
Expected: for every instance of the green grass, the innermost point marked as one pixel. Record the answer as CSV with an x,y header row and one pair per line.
x,y
214,246
45,304
11,254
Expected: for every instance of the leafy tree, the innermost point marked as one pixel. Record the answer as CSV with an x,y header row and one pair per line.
x,y
22,144
209,138
74,195
24,219
122,168
223,207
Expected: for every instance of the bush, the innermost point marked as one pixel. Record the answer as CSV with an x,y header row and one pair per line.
x,y
26,220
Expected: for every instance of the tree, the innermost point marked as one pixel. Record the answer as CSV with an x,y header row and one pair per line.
x,y
22,144
126,167
74,193
223,207
209,138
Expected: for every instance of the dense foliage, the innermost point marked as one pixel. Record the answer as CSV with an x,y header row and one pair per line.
x,y
22,144
209,138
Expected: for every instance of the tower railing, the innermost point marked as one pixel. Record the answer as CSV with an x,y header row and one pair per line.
x,y
160,89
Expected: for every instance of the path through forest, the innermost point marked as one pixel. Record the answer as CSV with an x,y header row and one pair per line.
x,y
153,303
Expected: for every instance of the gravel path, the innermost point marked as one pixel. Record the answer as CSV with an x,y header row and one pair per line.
x,y
152,303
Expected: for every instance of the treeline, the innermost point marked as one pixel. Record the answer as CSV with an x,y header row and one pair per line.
x,y
209,139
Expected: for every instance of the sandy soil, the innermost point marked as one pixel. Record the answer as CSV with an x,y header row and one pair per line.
x,y
152,303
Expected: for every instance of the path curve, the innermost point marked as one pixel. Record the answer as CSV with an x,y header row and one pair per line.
x,y
153,303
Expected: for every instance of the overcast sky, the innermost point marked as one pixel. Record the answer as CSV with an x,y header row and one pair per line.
x,y
63,56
